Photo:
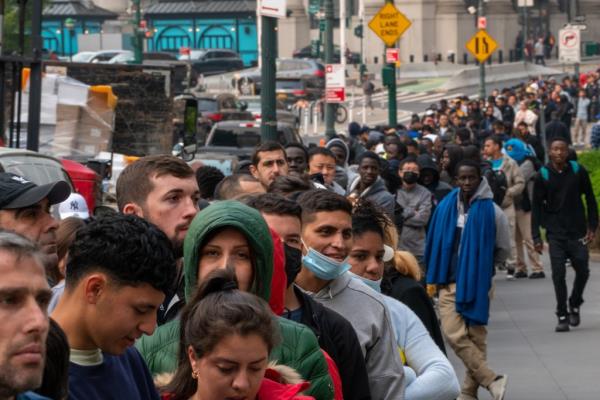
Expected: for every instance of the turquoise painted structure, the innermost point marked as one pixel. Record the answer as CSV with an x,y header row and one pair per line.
x,y
63,41
236,33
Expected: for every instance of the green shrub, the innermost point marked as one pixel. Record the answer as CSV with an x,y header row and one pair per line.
x,y
591,161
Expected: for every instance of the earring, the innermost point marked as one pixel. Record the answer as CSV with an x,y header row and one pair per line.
x,y
194,374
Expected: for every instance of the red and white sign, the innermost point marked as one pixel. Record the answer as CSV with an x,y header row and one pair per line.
x,y
272,8
184,51
392,55
335,83
569,45
482,23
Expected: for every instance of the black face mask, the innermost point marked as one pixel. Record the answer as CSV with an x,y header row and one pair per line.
x,y
410,177
293,263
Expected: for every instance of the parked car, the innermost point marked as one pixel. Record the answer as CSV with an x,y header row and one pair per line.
x,y
216,108
128,57
352,57
102,56
248,82
289,91
230,142
213,61
283,114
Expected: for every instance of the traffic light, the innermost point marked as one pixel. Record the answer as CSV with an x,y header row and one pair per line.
x,y
358,31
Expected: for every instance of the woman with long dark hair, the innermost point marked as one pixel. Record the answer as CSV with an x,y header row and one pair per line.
x,y
225,341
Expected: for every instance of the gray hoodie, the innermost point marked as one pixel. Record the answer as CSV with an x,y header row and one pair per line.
x,y
378,194
343,175
417,210
367,312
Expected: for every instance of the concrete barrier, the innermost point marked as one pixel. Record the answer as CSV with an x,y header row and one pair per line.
x,y
469,76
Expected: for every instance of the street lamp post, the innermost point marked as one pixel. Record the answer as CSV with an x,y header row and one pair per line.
x,y
481,13
268,71
138,40
70,27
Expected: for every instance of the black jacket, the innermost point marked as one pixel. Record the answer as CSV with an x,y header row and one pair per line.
x,y
337,337
558,207
412,294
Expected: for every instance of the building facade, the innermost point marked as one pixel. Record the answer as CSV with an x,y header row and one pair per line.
x,y
439,30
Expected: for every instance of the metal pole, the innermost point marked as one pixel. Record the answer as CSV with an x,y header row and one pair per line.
x,y
138,43
481,13
572,14
525,33
392,106
343,27
268,42
329,107
35,78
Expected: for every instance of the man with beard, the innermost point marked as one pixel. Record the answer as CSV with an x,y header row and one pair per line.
x,y
163,190
24,297
25,209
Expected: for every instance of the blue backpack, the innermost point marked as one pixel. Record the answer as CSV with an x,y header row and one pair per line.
x,y
544,170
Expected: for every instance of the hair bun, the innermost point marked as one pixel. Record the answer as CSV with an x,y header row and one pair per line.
x,y
219,280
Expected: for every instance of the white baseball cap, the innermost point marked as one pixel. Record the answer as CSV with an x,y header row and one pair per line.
x,y
74,206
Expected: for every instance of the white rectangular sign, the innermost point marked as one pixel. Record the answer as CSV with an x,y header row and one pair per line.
x,y
569,45
272,8
525,3
335,83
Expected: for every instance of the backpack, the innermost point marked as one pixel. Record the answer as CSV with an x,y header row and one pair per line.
x,y
544,170
497,181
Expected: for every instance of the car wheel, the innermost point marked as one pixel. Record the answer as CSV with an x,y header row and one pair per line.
x,y
246,86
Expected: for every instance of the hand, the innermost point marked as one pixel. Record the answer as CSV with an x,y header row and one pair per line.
x,y
539,247
590,236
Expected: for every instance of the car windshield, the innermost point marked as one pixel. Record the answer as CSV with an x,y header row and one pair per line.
x,y
289,85
207,105
84,56
253,105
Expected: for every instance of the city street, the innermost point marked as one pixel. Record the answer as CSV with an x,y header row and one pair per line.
x,y
540,363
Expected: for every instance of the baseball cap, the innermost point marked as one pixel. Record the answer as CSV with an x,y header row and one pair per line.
x,y
18,192
74,206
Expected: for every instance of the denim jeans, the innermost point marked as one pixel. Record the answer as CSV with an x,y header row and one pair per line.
x,y
577,252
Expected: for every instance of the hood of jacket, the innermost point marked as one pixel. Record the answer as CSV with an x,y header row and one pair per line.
x,y
339,143
247,220
377,187
484,191
426,162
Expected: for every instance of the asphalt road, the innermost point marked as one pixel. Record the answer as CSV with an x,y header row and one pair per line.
x,y
542,364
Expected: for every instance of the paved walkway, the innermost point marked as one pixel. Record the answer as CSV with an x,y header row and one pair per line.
x,y
542,364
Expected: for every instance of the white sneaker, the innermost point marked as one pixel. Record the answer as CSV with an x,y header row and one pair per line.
x,y
498,387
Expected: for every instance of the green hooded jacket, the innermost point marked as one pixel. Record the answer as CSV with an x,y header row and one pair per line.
x,y
299,348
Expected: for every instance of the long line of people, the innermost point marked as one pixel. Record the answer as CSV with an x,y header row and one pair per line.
x,y
308,273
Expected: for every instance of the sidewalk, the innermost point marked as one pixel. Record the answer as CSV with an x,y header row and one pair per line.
x,y
542,364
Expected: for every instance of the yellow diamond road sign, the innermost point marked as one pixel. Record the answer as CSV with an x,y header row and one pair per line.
x,y
482,45
389,24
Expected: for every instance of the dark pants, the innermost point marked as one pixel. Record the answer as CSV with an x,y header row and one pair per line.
x,y
560,251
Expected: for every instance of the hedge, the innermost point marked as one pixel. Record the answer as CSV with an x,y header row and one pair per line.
x,y
591,161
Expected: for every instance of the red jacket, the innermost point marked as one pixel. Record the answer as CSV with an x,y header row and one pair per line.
x,y
272,389
279,279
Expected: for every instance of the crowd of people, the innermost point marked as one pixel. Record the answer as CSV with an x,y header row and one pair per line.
x,y
339,271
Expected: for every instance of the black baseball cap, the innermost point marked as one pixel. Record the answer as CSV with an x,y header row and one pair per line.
x,y
18,192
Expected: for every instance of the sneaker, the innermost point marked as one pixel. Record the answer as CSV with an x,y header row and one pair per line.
x,y
563,324
574,319
501,267
537,275
520,274
510,274
498,387
465,396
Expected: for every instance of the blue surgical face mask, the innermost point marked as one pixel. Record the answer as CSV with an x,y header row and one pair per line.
x,y
324,267
375,285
